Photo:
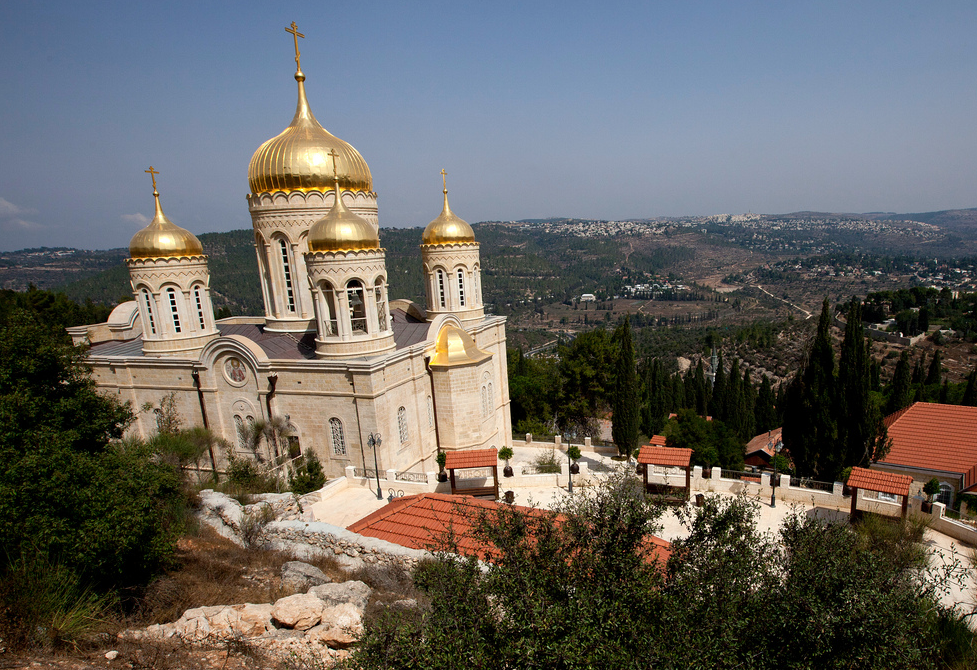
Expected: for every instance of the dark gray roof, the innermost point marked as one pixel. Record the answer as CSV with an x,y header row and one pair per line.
x,y
408,331
288,346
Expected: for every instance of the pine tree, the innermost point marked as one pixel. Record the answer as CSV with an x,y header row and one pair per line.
x,y
624,426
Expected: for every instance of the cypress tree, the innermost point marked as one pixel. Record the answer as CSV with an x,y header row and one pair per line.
x,y
858,416
970,393
718,397
747,408
810,430
765,411
701,390
936,369
900,390
624,426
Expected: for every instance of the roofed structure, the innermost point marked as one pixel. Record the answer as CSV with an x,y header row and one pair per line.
x,y
669,457
880,482
469,459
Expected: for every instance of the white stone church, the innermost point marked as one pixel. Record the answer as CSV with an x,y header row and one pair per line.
x,y
332,356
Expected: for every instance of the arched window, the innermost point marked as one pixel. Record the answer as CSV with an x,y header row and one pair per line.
x,y
491,397
477,295
329,311
484,400
461,287
945,495
338,438
381,303
239,425
357,308
147,300
174,309
199,302
430,412
287,270
439,275
402,425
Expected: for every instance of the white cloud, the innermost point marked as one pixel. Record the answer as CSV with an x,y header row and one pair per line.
x,y
141,219
11,217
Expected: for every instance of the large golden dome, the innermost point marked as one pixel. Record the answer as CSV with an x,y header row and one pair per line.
x,y
298,159
342,230
447,228
163,239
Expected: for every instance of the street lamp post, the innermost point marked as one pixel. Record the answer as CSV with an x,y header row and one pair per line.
x,y
773,484
375,441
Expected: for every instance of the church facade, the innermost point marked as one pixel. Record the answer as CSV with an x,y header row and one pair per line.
x,y
333,358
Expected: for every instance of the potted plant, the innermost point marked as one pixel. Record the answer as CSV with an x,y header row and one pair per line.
x,y
442,458
573,452
931,488
505,453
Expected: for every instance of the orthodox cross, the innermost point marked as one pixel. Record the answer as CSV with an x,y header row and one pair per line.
x,y
152,173
444,180
295,36
332,152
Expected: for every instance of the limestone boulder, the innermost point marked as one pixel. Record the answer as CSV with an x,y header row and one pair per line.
x,y
342,626
253,619
353,592
299,576
300,611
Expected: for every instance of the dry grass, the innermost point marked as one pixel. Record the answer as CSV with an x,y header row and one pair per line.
x,y
214,571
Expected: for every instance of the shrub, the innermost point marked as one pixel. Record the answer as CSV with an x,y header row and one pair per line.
x,y
308,475
573,452
505,453
442,458
546,463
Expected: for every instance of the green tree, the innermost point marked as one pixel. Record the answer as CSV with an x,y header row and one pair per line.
x,y
970,393
586,365
765,411
901,388
624,426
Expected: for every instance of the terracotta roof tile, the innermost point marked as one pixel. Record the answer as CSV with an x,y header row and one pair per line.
x,y
765,442
471,458
658,440
418,521
933,437
876,480
666,456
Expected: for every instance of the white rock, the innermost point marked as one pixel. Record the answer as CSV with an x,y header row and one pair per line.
x,y
300,576
342,626
111,655
354,592
301,611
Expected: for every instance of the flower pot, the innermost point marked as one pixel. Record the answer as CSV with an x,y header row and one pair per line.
x,y
507,471
442,476
574,469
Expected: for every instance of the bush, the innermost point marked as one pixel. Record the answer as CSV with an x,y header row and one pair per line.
x,y
573,452
246,477
44,605
505,453
546,463
308,475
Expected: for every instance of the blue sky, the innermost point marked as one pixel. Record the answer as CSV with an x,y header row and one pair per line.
x,y
536,109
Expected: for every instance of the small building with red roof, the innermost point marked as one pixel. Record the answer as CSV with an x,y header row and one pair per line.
x,y
421,521
933,440
760,450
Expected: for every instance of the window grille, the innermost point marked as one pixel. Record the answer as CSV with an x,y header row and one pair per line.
x,y
174,310
338,438
148,301
287,268
461,287
402,425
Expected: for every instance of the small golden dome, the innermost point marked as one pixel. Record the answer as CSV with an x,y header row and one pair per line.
x,y
342,230
163,239
298,158
455,346
447,228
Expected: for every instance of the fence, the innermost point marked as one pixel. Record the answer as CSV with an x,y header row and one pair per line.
x,y
419,477
741,475
805,483
473,473
368,473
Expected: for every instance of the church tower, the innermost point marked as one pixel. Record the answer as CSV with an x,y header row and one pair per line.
x,y
291,187
171,283
348,279
451,266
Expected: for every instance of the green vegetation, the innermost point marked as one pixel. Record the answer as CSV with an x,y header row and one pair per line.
x,y
625,394
582,588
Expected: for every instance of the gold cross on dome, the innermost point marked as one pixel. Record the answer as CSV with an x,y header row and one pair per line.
x,y
332,152
295,36
444,180
152,173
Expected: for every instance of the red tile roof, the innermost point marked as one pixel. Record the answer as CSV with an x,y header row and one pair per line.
x,y
420,520
933,437
765,442
667,456
471,458
876,480
658,440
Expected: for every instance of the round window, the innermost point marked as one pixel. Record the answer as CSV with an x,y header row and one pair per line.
x,y
235,371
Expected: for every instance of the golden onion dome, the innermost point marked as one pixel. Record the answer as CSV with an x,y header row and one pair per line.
x,y
298,158
342,230
447,228
163,239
